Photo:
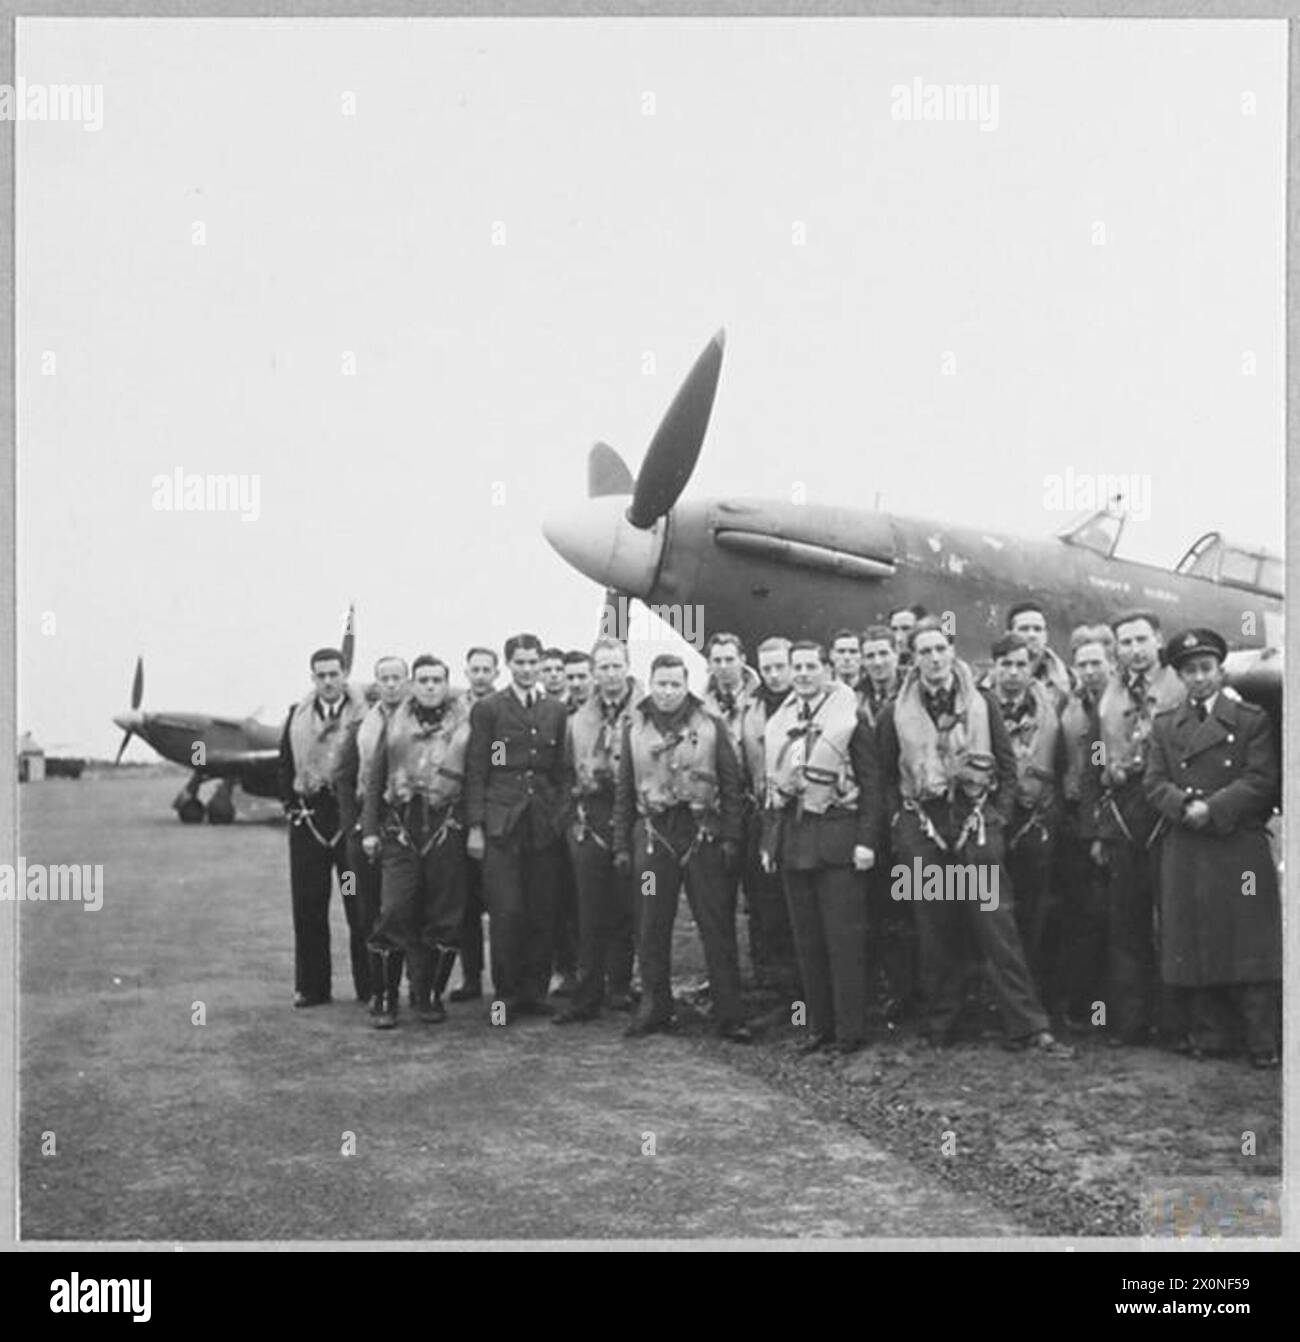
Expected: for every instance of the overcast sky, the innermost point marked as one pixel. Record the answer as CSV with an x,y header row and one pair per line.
x,y
483,372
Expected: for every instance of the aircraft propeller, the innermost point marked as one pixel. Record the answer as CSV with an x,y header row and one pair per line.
x,y
349,639
137,695
675,448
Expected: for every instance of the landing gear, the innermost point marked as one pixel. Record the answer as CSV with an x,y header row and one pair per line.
x,y
187,803
190,811
221,804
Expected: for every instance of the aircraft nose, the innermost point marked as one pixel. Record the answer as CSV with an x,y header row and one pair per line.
x,y
129,721
598,540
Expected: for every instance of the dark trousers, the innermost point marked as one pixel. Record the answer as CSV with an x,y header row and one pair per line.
x,y
519,882
423,902
712,895
1082,950
312,866
471,928
366,881
1231,1016
771,940
1134,986
1031,864
606,918
945,927
828,916
564,954
893,973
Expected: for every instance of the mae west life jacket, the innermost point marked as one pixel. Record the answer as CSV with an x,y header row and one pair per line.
x,y
1126,728
1034,739
317,743
1077,726
369,735
681,768
596,743
807,759
936,763
426,761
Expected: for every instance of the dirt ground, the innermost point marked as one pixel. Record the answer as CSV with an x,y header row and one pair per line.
x,y
236,1129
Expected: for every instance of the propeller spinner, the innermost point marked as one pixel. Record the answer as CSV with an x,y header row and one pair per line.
x,y
620,546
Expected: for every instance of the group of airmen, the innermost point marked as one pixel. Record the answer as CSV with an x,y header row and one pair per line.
x,y
1077,846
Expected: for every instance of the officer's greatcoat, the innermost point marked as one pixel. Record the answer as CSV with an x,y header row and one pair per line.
x,y
1211,931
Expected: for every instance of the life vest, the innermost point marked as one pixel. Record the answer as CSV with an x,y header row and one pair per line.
x,y
1053,674
596,743
1125,728
1077,726
369,734
1033,739
934,763
808,760
317,744
753,745
426,761
681,768
742,703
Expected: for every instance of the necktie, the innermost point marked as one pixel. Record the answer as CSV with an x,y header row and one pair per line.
x,y
528,700
1201,711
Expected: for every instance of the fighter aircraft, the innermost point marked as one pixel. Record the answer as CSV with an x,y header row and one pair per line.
x,y
760,567
230,750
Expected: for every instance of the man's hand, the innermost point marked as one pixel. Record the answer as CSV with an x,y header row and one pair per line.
x,y
623,863
370,846
730,854
475,844
1196,814
1097,851
766,860
863,858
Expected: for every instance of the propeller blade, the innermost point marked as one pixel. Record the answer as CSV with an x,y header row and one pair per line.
x,y
137,685
349,638
675,448
607,472
121,750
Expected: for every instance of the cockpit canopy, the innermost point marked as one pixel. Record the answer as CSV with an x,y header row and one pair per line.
x,y
1252,568
1249,567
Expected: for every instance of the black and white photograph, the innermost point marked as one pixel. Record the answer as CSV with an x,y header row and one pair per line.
x,y
648,630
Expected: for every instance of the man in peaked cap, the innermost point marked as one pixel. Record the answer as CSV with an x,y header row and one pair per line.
x,y
1213,775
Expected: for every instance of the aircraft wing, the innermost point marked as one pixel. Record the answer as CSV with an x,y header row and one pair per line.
x,y
230,761
1256,675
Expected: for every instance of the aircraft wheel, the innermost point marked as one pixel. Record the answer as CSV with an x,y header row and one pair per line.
x,y
190,811
221,811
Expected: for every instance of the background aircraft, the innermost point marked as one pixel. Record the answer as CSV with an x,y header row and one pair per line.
x,y
229,750
763,567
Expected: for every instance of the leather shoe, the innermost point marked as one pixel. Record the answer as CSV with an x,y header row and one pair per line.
x,y
306,1000
529,1007
431,1013
620,1002
573,1015
467,992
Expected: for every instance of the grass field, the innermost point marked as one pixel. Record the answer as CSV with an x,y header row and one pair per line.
x,y
236,1129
